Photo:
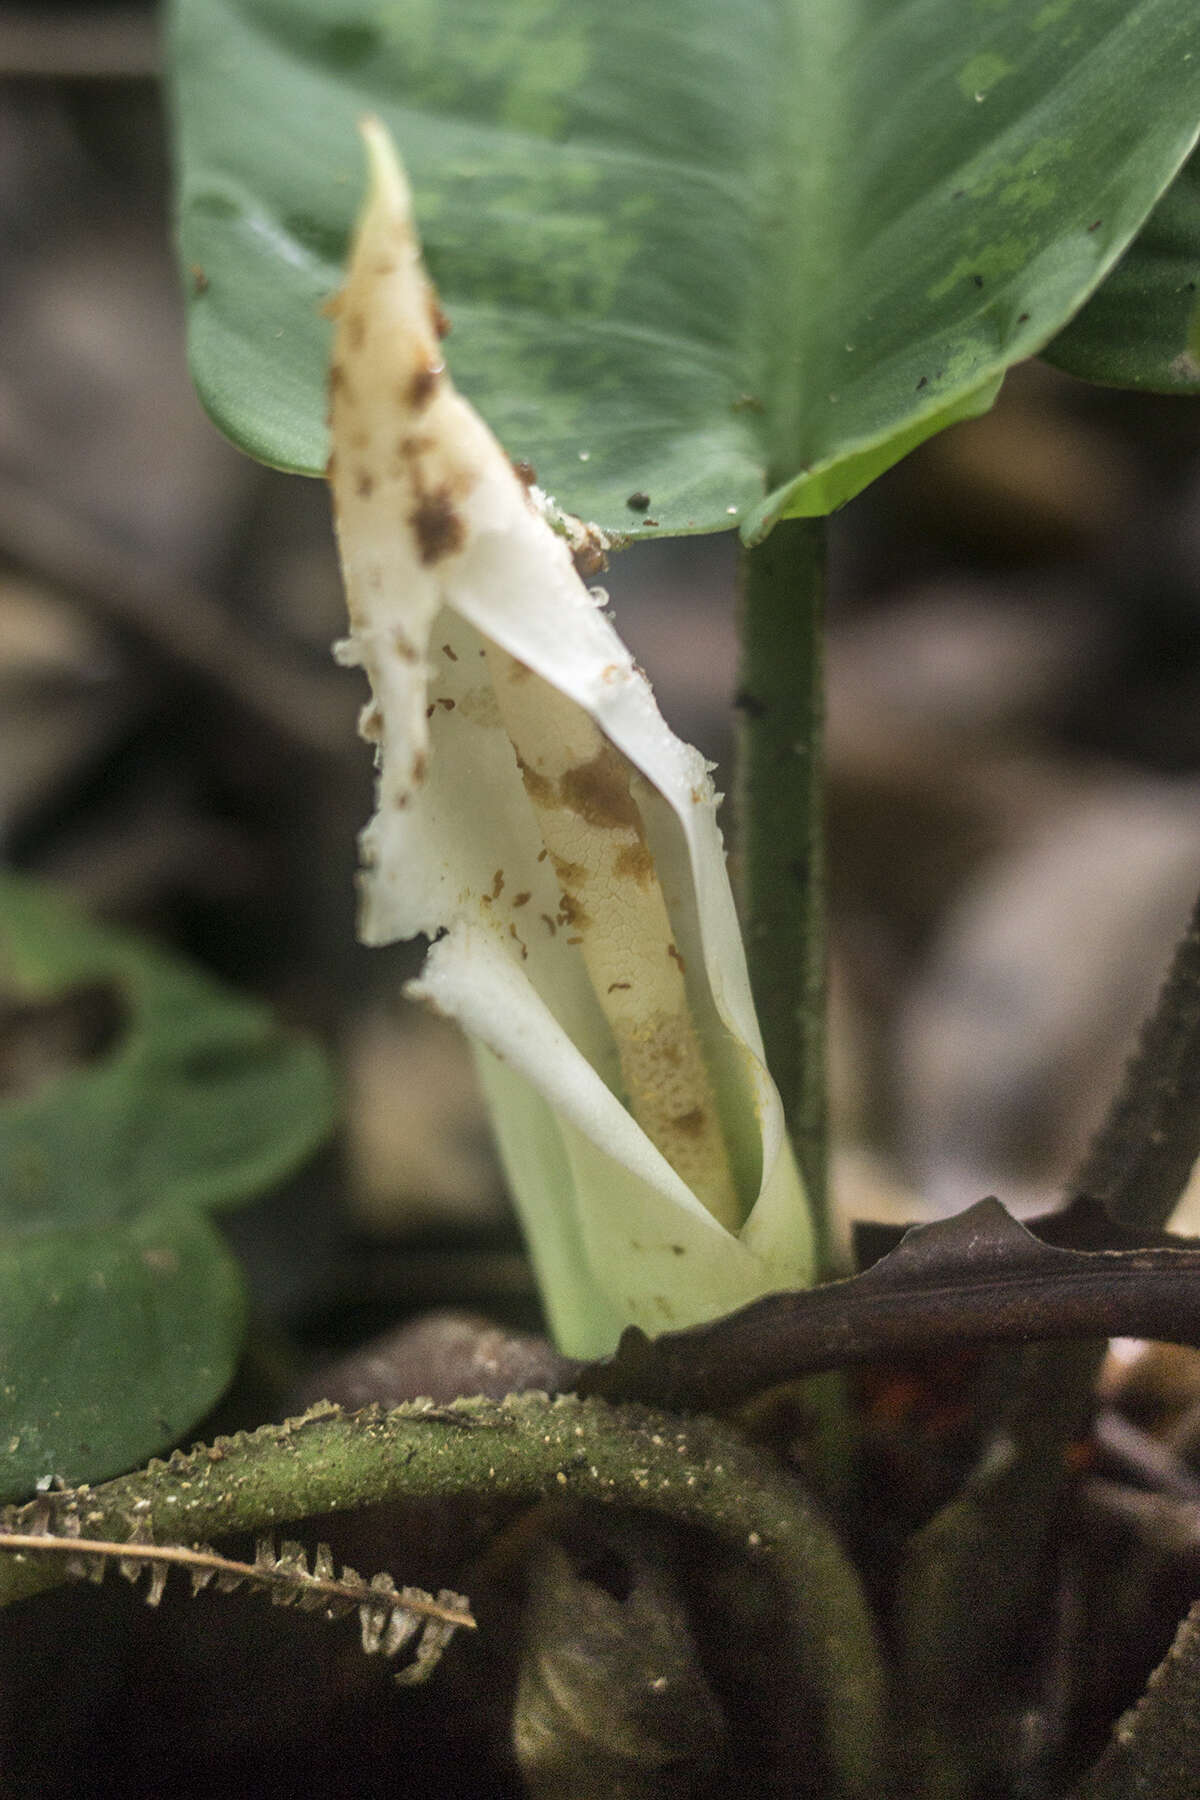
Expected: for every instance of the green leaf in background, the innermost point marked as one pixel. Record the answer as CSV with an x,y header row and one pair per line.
x,y
1141,328
113,1342
121,1309
738,254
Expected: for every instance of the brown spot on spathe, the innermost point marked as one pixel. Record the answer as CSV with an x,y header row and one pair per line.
x,y
572,911
569,872
675,956
525,473
437,318
633,862
540,791
364,484
437,526
598,791
422,385
356,331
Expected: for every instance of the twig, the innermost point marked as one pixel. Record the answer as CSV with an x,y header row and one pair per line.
x,y
118,41
1168,1525
182,622
977,1278
1148,1458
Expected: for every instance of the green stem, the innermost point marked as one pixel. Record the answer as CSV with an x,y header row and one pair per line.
x,y
695,1471
781,829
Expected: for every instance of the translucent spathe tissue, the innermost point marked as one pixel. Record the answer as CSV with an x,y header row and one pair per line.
x,y
535,811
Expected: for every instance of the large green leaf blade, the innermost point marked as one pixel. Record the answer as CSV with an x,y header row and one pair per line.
x,y
737,254
121,1312
1141,328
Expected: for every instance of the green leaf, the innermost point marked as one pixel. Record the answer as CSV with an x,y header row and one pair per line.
x,y
120,1307
1141,328
113,1342
735,254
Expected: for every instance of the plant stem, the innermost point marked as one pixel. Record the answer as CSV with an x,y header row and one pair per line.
x,y
1136,1167
781,829
1155,1748
695,1471
1138,1162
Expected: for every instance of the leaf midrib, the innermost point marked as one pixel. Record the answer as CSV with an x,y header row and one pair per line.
x,y
794,181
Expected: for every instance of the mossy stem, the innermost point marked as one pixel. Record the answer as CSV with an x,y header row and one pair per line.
x,y
695,1471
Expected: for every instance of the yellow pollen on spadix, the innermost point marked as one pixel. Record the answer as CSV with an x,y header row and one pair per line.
x,y
583,793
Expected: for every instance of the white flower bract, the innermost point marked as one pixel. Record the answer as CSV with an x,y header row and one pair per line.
x,y
537,818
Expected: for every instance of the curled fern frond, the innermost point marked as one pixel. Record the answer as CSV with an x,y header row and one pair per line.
x,y
391,1618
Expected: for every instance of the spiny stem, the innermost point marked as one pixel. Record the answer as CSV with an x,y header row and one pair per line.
x,y
696,1471
355,1593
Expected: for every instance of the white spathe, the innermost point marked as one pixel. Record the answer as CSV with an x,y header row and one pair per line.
x,y
464,600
